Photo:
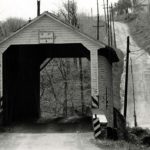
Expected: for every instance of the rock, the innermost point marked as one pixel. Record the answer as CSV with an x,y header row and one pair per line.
x,y
146,140
120,125
112,133
117,71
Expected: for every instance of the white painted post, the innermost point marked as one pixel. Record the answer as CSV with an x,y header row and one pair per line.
x,y
94,76
95,94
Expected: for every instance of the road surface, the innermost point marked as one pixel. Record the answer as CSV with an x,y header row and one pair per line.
x,y
47,141
49,135
141,77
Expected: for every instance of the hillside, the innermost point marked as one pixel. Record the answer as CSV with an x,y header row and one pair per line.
x,y
140,30
136,25
88,26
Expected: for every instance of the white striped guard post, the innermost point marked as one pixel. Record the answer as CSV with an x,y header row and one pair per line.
x,y
95,102
99,122
96,123
98,118
96,126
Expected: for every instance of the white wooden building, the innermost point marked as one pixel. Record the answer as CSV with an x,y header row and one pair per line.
x,y
47,31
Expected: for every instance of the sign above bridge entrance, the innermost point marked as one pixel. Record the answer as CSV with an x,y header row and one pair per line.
x,y
46,37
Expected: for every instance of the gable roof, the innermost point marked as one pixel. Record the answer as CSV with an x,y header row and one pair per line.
x,y
54,17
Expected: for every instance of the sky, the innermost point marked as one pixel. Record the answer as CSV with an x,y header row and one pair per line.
x,y
28,8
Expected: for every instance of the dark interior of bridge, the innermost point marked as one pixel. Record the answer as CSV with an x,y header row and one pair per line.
x,y
21,76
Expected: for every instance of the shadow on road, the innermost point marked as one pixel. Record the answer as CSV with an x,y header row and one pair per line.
x,y
52,125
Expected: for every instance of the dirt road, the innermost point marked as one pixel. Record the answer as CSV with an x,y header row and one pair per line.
x,y
49,134
47,141
141,77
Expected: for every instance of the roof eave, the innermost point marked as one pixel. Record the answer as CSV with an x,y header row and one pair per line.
x,y
109,53
15,33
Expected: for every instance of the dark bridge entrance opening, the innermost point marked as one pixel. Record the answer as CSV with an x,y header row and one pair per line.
x,y
22,79
65,88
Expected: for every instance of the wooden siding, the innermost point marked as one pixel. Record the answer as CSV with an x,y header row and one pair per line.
x,y
105,83
63,34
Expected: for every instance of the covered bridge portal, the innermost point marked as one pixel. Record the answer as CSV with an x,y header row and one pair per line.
x,y
48,37
21,76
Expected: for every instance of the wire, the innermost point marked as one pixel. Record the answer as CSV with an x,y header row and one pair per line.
x,y
140,55
139,4
137,50
134,45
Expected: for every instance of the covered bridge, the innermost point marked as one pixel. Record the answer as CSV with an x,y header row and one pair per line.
x,y
23,53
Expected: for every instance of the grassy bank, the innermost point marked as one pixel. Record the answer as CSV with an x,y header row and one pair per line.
x,y
140,30
136,139
119,145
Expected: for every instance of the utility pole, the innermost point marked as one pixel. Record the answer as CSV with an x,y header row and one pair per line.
x,y
114,32
106,98
68,11
110,26
81,84
97,20
105,15
126,78
38,7
92,13
135,119
108,23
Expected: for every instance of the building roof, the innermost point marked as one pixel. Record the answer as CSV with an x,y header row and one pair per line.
x,y
109,53
48,14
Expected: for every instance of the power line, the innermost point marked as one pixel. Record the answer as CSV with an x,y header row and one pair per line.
x,y
107,4
105,15
68,11
137,50
139,56
135,46
114,31
110,26
97,20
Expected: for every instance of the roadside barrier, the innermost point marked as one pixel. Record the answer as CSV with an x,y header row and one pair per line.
x,y
96,126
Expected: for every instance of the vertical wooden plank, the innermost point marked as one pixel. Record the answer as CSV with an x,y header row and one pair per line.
x,y
105,89
94,74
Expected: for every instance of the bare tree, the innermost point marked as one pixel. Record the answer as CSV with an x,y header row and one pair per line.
x,y
123,6
70,15
9,26
64,68
69,12
47,83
